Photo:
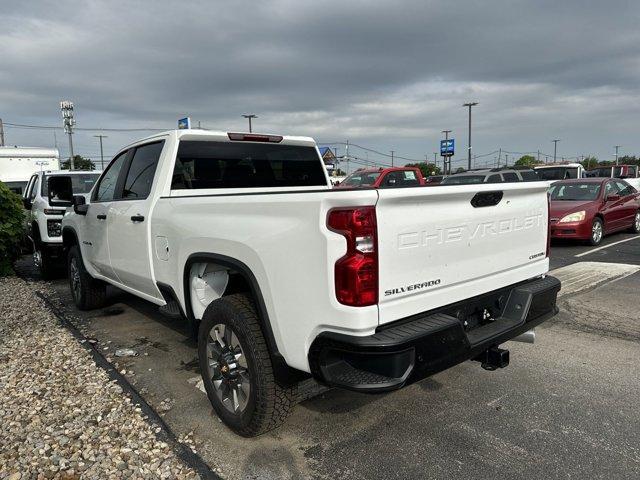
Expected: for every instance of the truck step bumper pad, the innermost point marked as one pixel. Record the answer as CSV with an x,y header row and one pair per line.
x,y
411,349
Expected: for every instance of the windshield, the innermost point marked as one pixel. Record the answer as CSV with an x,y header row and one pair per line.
x,y
556,173
575,191
82,183
463,179
361,179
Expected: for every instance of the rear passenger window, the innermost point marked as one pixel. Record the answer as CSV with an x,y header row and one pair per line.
x,y
510,177
496,178
529,176
210,164
107,186
137,184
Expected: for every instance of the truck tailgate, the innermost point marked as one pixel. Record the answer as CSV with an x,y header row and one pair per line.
x,y
445,244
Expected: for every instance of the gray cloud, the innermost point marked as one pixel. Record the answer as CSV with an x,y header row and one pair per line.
x,y
390,75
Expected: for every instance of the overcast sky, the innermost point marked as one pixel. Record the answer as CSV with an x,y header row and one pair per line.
x,y
388,75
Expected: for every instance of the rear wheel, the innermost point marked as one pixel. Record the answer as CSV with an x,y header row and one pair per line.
x,y
87,292
237,371
635,228
597,232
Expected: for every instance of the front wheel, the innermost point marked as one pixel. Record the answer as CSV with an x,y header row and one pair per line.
x,y
43,261
597,232
87,292
237,370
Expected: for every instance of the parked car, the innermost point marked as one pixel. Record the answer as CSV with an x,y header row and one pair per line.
x,y
43,224
560,171
589,208
629,173
433,180
286,278
491,175
394,177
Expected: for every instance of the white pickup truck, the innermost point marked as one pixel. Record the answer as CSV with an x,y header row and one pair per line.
x,y
43,223
287,278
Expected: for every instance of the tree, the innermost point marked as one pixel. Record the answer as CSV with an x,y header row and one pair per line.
x,y
80,163
427,169
460,170
590,162
526,161
11,228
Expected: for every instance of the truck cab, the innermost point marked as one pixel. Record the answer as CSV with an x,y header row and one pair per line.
x,y
43,224
560,171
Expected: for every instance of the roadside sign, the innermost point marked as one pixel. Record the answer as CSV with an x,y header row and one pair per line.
x,y
184,123
447,147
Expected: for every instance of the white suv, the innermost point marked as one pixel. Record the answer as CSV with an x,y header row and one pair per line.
x,y
43,223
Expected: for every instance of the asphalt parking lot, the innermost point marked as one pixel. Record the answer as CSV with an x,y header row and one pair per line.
x,y
566,407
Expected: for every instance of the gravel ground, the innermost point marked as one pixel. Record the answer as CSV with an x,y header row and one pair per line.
x,y
61,416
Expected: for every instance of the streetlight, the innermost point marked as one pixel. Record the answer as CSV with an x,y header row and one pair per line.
x,y
470,104
250,116
101,152
617,147
555,148
66,108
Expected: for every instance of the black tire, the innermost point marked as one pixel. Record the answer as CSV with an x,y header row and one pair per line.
x,y
88,293
596,239
635,228
268,404
43,261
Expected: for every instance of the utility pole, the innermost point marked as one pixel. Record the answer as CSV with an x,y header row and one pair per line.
x,y
446,163
250,116
538,161
67,115
101,152
499,155
506,159
555,148
392,152
347,155
470,104
1,134
617,147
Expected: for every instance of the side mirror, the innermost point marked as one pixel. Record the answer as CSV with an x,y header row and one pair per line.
x,y
613,198
27,203
80,205
60,191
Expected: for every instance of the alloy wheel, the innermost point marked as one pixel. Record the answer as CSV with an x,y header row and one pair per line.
x,y
228,369
596,232
37,257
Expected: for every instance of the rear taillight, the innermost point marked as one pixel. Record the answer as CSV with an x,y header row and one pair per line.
x,y
548,224
252,137
356,273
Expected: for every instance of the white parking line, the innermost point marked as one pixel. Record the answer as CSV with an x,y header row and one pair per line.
x,y
607,246
584,275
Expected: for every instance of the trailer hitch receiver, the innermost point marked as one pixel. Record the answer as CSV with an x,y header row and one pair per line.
x,y
493,358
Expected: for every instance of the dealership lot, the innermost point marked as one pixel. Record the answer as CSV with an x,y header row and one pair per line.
x,y
566,406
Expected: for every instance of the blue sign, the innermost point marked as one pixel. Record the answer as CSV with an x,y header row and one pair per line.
x,y
184,123
447,147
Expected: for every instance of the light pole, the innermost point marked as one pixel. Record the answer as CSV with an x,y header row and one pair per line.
x,y
101,152
66,108
392,152
444,158
250,116
617,147
555,148
469,104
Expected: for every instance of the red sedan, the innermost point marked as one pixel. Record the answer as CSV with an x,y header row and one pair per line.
x,y
589,208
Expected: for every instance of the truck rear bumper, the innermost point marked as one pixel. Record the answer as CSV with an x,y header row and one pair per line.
x,y
416,347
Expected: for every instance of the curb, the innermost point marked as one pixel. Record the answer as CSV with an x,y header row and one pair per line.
x,y
182,451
